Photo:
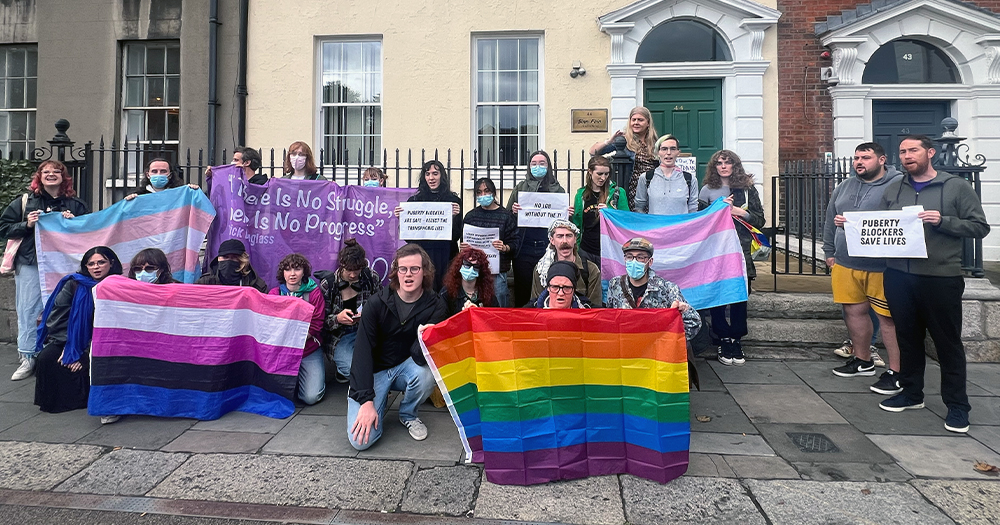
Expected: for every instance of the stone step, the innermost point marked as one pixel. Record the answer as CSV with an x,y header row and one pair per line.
x,y
825,333
770,305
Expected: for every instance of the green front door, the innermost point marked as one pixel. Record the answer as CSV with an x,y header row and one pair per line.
x,y
690,110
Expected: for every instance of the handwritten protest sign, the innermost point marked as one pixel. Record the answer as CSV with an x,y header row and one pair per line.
x,y
425,221
688,164
483,238
538,210
885,234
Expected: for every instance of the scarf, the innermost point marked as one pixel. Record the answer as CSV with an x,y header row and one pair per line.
x,y
80,328
302,292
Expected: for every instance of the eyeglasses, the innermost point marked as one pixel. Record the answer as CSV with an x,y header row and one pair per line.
x,y
149,268
561,290
640,258
95,264
409,270
468,264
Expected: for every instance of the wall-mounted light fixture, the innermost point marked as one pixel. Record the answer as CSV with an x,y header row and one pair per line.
x,y
577,70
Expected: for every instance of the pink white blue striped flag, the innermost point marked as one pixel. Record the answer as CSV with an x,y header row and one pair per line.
x,y
175,221
699,252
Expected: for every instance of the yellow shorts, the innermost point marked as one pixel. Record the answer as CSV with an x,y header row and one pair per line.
x,y
857,286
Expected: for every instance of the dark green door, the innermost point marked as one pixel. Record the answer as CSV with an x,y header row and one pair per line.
x,y
691,110
894,119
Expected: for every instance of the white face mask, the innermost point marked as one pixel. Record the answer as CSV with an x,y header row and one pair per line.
x,y
298,162
144,276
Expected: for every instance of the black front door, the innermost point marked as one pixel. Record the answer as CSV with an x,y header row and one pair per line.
x,y
894,119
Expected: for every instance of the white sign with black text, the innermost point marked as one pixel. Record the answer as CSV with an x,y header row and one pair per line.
x,y
897,233
425,221
483,238
538,210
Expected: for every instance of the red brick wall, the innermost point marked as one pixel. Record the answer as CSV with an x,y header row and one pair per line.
x,y
805,128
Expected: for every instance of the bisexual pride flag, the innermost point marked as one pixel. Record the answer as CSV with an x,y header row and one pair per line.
x,y
544,395
699,252
175,221
197,351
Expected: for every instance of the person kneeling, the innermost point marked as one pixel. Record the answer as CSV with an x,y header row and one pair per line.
x,y
560,293
387,354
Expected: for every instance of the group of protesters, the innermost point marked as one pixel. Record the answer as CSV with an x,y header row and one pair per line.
x,y
369,332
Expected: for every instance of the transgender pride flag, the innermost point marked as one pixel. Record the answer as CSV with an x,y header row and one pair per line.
x,y
174,220
699,252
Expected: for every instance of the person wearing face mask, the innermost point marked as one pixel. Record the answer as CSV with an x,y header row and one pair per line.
x,y
640,287
295,280
373,178
468,282
532,242
151,266
299,163
346,291
435,186
159,175
488,213
232,268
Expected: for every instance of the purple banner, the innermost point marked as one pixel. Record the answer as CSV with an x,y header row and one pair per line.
x,y
313,218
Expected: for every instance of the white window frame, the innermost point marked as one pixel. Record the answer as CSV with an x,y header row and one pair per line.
x,y
30,132
474,74
147,143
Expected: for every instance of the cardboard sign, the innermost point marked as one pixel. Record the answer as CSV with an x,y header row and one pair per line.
x,y
885,233
688,164
483,238
425,221
538,210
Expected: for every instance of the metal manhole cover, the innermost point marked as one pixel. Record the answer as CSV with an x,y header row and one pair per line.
x,y
812,442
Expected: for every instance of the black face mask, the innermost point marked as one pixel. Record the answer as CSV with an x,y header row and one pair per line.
x,y
229,273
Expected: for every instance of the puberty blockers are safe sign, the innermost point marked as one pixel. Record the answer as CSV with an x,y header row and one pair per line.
x,y
885,233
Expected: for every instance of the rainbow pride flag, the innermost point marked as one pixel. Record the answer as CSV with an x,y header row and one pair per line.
x,y
198,351
175,221
544,395
699,252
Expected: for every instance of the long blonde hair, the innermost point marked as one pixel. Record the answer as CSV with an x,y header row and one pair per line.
x,y
636,142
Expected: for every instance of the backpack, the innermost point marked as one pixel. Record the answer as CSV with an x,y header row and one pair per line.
x,y
649,178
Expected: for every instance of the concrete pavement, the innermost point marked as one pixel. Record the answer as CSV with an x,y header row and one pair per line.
x,y
775,441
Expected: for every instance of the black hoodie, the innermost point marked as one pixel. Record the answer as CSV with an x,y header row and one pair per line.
x,y
250,279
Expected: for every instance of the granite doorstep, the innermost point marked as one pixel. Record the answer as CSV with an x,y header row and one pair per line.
x,y
967,502
708,465
448,491
42,466
124,472
590,501
688,500
826,471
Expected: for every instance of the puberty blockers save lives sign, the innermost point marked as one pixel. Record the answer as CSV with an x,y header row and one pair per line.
x,y
885,233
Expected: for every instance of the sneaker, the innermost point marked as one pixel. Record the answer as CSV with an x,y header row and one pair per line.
x,y
340,378
855,367
417,429
888,384
725,353
877,359
736,352
25,370
957,421
845,350
107,420
899,403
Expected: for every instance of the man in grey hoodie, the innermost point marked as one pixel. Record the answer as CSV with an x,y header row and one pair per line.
x,y
857,281
925,295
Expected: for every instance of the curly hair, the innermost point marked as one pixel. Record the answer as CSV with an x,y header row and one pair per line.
x,y
636,142
739,178
155,257
291,262
484,283
352,256
405,251
65,188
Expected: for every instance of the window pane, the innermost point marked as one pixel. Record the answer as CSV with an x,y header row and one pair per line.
x,y
15,63
136,54
529,87
508,150
528,58
682,41
487,87
372,56
156,125
15,93
507,54
154,60
353,56
18,125
133,91
3,94
18,150
31,63
352,75
154,91
135,124
486,121
3,62
508,87
529,120
508,120
31,92
4,128
173,91
31,126
487,55
173,61
173,125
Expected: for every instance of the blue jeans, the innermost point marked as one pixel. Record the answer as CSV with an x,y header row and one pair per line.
x,y
501,290
28,303
312,378
343,353
415,381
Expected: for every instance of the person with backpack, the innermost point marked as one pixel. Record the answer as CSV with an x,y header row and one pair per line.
x,y
667,190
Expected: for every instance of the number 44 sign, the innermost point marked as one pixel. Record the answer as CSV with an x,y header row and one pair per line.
x,y
885,233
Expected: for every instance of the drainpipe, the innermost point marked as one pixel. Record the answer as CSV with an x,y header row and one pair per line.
x,y
213,66
241,82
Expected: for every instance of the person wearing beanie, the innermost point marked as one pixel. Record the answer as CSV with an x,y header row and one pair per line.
x,y
563,235
232,268
559,292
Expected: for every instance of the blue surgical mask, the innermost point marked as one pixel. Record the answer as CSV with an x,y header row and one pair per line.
x,y
484,200
539,171
371,184
469,273
144,276
635,269
159,181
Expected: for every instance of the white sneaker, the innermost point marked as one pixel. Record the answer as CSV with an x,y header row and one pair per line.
x,y
845,350
418,430
877,358
25,370
107,420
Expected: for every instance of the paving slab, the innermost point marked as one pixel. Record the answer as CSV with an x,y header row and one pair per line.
x,y
443,443
334,402
938,456
737,444
761,467
862,411
985,376
124,472
819,376
824,503
828,443
14,413
989,436
688,500
708,465
448,491
312,436
66,427
880,472
342,483
985,410
592,501
38,466
932,381
23,391
756,372
725,413
707,378
6,385
244,422
206,441
143,432
967,502
784,404
425,407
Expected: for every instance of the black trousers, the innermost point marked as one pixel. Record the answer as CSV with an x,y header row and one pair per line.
x,y
922,304
523,265
736,326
